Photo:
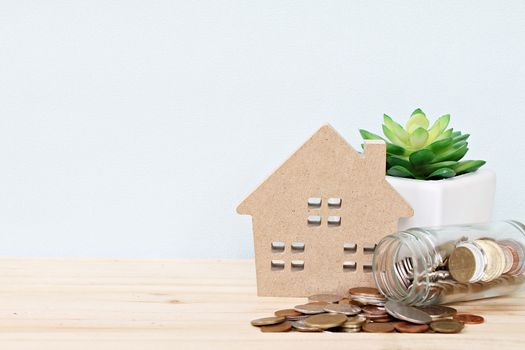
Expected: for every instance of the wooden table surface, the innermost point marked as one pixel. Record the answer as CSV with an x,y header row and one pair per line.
x,y
187,304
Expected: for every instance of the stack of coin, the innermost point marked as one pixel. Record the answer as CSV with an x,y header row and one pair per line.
x,y
367,296
332,313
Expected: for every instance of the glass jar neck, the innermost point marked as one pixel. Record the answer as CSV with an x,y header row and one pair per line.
x,y
402,266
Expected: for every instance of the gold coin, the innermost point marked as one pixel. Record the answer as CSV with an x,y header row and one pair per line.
x,y
277,328
288,313
325,321
265,321
327,298
437,312
447,326
378,327
354,321
462,264
301,327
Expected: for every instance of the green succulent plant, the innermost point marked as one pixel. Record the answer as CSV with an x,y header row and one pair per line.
x,y
422,152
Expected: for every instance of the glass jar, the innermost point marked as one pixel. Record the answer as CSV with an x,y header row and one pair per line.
x,y
424,266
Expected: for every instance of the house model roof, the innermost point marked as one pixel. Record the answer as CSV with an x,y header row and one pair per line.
x,y
329,153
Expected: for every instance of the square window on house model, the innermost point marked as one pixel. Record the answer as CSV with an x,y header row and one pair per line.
x,y
314,202
334,202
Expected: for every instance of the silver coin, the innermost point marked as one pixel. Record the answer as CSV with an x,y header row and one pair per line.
x,y
407,313
438,312
346,309
370,301
310,309
302,327
328,298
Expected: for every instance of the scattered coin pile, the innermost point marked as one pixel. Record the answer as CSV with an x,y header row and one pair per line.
x,y
364,309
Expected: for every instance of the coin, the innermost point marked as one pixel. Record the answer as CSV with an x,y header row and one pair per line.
x,y
323,303
447,326
374,310
406,327
495,259
310,309
378,327
300,326
325,321
265,321
354,321
462,264
344,301
346,309
437,312
366,291
407,313
287,313
383,319
351,330
277,328
468,318
328,298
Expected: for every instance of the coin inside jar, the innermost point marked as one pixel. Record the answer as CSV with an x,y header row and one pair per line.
x,y
325,321
446,326
462,264
265,321
346,309
277,328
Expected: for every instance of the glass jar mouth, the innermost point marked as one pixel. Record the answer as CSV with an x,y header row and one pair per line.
x,y
397,268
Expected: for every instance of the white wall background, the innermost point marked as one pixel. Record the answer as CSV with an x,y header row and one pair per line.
x,y
133,128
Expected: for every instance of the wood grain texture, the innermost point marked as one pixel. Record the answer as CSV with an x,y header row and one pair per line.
x,y
185,304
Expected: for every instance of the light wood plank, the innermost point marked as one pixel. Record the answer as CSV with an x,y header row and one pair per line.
x,y
186,304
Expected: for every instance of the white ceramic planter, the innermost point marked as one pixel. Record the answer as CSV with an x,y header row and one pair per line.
x,y
463,199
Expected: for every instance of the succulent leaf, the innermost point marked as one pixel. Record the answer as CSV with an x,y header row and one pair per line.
x,y
418,119
430,168
439,126
423,156
419,138
453,154
367,135
397,129
438,146
444,135
468,166
393,160
442,173
395,149
399,171
392,137
460,137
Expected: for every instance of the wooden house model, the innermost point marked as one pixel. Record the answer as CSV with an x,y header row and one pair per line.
x,y
316,220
